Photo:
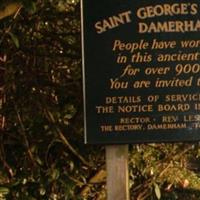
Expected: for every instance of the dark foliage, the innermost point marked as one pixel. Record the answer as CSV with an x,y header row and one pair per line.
x,y
42,154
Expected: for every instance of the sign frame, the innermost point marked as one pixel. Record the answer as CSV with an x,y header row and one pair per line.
x,y
152,119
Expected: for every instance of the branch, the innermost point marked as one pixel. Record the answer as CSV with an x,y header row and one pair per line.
x,y
99,177
3,160
23,132
50,117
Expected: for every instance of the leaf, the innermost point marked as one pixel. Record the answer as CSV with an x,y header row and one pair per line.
x,y
30,6
9,8
157,191
42,191
14,39
39,161
4,190
55,174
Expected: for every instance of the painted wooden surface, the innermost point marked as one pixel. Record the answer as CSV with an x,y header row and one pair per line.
x,y
117,172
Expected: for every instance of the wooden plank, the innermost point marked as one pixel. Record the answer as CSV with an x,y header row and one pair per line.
x,y
117,172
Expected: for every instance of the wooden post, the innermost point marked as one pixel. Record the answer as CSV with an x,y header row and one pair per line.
x,y
117,172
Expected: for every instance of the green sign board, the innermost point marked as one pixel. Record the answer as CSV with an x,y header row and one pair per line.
x,y
141,71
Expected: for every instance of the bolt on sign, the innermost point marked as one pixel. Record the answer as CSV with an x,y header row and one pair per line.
x,y
141,69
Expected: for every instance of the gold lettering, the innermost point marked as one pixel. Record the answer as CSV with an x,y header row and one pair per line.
x,y
113,22
169,26
167,10
166,126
